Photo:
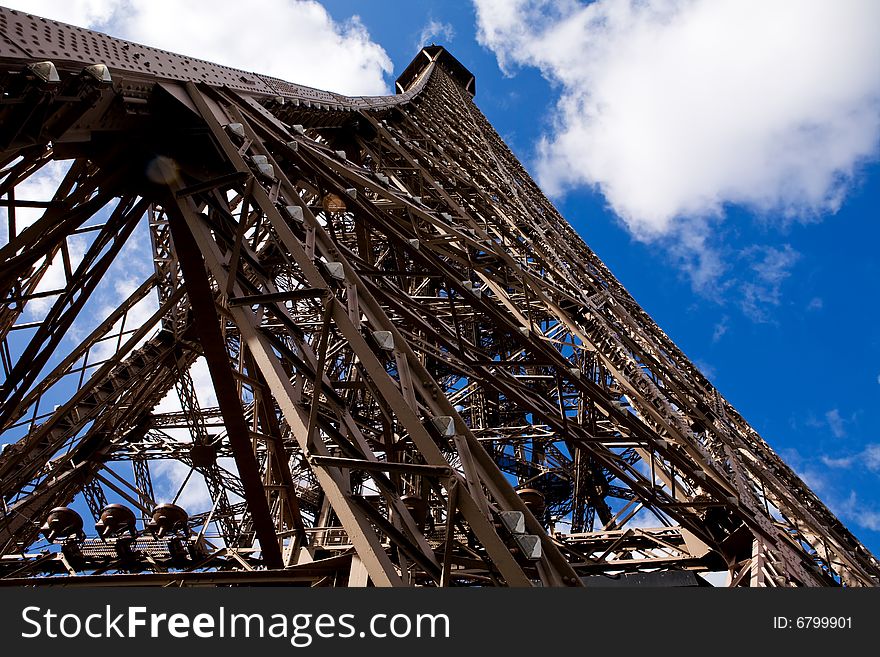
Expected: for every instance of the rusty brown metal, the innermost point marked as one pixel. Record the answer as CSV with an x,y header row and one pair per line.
x,y
423,376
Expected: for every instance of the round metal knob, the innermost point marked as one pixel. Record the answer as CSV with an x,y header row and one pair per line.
x,y
168,519
417,508
61,523
533,499
115,520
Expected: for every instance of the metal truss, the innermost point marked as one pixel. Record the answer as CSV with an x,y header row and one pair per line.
x,y
420,374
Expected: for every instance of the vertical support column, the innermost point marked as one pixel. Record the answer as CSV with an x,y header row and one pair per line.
x,y
358,577
757,576
207,327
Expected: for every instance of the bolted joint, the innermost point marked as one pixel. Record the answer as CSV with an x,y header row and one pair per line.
x,y
336,270
295,212
265,169
445,425
384,339
529,545
514,521
236,130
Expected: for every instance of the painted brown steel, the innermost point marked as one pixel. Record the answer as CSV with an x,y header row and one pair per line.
x,y
423,374
207,328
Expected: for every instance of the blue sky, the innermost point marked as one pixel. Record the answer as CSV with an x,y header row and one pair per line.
x,y
721,158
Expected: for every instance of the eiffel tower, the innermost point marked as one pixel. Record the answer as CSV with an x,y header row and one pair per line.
x,y
420,375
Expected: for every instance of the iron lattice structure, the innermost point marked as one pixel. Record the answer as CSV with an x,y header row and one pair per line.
x,y
422,374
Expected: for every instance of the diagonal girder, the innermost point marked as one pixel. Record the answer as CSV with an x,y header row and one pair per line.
x,y
422,375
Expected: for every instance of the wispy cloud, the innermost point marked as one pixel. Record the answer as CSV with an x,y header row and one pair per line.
x,y
721,329
841,462
816,303
835,423
816,478
707,369
770,267
170,475
863,514
868,458
846,503
41,186
204,388
434,30
690,244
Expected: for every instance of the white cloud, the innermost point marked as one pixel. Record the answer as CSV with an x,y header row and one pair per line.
x,y
678,110
816,303
774,266
435,29
644,519
674,108
136,317
841,462
868,458
203,385
769,269
689,244
871,457
55,278
170,475
868,518
76,12
40,186
717,578
296,40
129,269
815,478
721,328
835,423
858,512
705,368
